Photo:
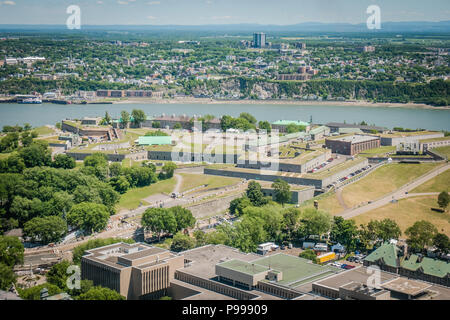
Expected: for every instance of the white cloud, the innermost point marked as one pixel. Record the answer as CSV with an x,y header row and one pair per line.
x,y
151,3
221,17
122,2
151,17
99,2
9,3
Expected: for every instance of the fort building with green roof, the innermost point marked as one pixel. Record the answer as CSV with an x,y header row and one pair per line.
x,y
389,257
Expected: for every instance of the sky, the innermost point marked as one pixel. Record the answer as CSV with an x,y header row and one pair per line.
x,y
203,12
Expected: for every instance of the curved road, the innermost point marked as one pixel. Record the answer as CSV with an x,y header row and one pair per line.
x,y
397,194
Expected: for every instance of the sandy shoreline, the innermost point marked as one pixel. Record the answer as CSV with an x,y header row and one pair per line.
x,y
280,102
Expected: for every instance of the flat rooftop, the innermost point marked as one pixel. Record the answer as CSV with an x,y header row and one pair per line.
x,y
295,270
204,259
356,138
407,286
244,266
121,255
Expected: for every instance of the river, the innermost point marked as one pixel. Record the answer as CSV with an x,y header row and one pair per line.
x,y
413,118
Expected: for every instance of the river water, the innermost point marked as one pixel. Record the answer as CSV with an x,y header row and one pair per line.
x,y
413,118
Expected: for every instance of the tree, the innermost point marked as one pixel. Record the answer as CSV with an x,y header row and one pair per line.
x,y
386,229
248,233
64,161
177,126
200,238
247,116
255,194
120,184
11,251
442,243
159,220
443,200
46,229
315,222
124,119
115,169
184,218
7,277
36,155
10,142
344,232
168,170
100,293
282,191
238,205
58,275
291,221
138,116
265,125
90,217
420,235
107,118
182,242
292,128
34,293
367,235
309,254
96,160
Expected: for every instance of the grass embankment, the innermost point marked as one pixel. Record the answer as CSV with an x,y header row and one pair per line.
x,y
191,181
131,199
445,151
327,202
408,211
42,131
377,152
437,184
382,181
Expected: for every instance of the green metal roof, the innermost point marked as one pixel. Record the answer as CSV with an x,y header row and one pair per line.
x,y
429,266
288,122
387,252
243,267
154,140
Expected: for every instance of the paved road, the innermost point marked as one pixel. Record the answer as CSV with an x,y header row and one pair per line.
x,y
397,194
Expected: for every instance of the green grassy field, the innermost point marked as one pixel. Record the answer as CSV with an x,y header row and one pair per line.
x,y
445,151
437,184
131,199
327,202
382,181
381,151
191,181
44,130
408,211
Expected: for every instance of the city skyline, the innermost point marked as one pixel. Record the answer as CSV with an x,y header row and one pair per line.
x,y
210,12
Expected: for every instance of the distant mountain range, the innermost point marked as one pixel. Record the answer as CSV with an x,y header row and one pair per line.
x,y
389,27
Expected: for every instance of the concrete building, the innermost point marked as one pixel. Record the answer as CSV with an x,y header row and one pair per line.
x,y
335,126
136,271
90,121
259,40
319,133
186,122
352,145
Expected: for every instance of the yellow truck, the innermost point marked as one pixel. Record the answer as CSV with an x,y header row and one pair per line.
x,y
326,257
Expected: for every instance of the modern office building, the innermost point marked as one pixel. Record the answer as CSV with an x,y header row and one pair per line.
x,y
137,271
351,145
259,40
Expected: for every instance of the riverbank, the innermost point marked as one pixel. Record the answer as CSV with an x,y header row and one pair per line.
x,y
275,102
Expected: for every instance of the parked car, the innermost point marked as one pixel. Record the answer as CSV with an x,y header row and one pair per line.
x,y
348,267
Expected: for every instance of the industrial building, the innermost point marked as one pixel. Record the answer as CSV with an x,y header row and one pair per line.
x,y
351,145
